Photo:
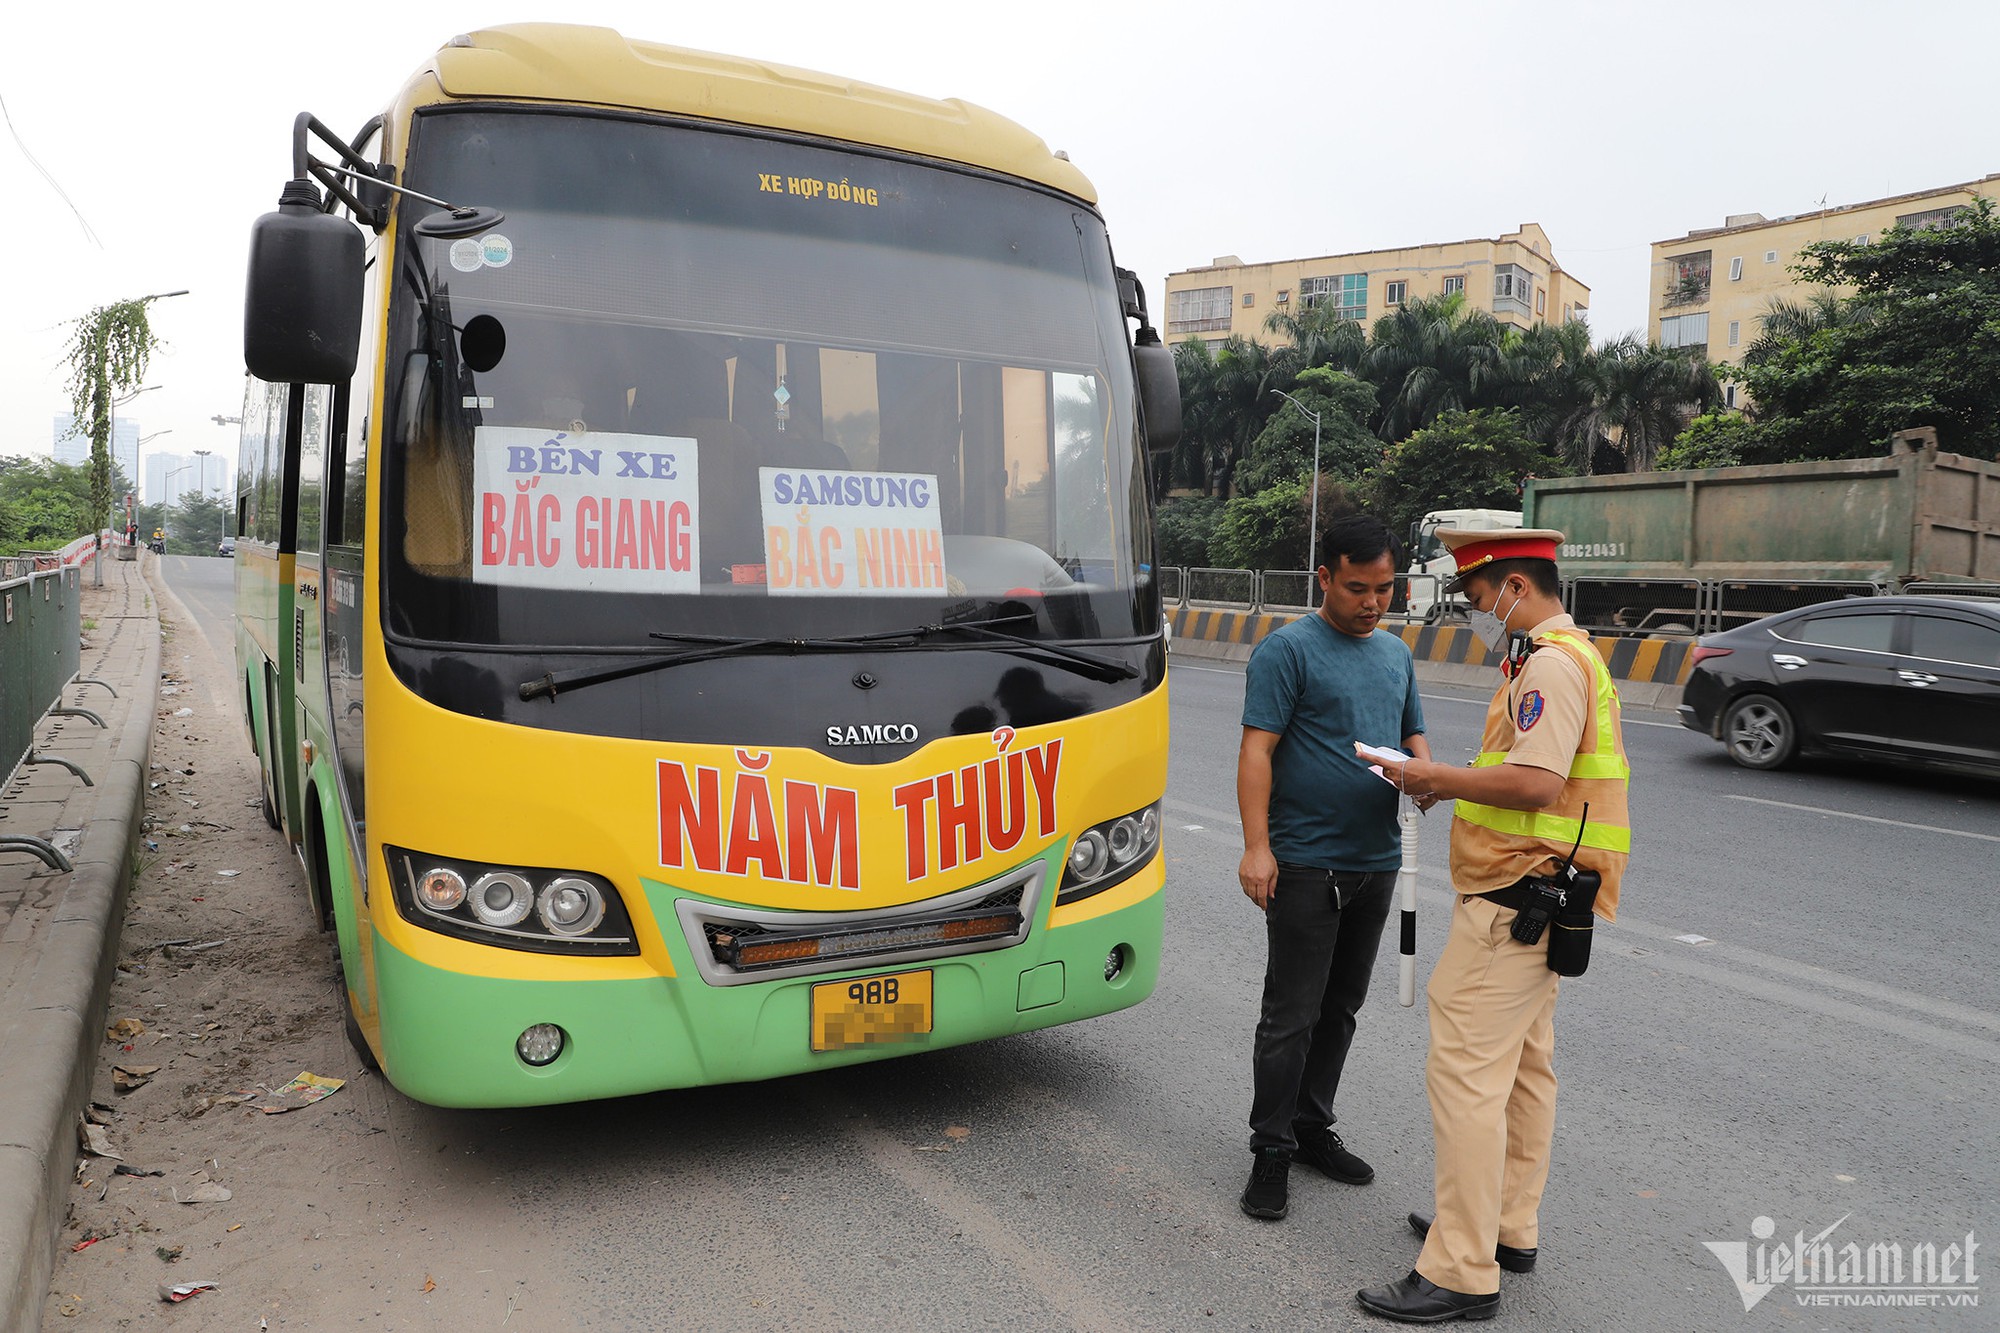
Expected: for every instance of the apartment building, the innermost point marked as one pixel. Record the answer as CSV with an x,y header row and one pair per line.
x,y
1711,288
1514,277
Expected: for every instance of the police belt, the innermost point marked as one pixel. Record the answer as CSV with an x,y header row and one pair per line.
x,y
1518,896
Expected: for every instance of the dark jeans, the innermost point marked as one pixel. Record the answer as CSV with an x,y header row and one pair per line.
x,y
1324,928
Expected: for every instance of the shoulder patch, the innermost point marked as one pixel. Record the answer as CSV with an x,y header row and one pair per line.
x,y
1530,711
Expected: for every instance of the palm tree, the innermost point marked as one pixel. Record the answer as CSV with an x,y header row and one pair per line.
x,y
1317,336
1245,373
1431,355
1541,373
1646,392
1194,366
1224,407
1787,322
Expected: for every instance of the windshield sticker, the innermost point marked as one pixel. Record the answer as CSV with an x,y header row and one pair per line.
x,y
851,533
467,255
841,191
594,513
497,251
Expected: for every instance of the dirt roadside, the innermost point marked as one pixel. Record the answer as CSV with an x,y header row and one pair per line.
x,y
359,1208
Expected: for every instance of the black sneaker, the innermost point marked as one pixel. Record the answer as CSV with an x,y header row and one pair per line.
x,y
1269,1193
1322,1148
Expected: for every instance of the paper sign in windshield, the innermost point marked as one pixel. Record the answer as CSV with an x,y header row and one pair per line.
x,y
851,533
597,512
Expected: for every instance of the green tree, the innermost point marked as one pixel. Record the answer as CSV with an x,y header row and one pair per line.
x,y
1183,529
1914,342
1317,335
195,524
107,355
1283,450
1717,439
1268,530
43,503
1645,393
1462,460
1429,356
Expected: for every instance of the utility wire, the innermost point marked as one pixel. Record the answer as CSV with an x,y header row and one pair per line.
x,y
82,221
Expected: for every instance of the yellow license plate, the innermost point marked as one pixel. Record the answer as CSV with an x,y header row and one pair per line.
x,y
867,1011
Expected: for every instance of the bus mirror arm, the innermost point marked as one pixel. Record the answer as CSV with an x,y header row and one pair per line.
x,y
1153,367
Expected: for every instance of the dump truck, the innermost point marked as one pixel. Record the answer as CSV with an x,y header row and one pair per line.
x,y
1689,551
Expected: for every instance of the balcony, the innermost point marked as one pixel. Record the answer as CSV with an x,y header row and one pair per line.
x,y
1687,281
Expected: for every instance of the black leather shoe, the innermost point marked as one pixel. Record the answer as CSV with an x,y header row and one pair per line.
x,y
1509,1258
1320,1147
1417,1300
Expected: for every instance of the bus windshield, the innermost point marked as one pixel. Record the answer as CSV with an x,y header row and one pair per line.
x,y
708,382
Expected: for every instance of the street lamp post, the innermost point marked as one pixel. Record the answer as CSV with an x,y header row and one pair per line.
x,y
201,472
1312,529
138,465
111,442
168,485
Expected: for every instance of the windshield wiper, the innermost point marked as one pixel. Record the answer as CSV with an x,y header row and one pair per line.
x,y
717,645
725,645
1083,663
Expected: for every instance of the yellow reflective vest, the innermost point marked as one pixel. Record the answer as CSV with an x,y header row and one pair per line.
x,y
1493,847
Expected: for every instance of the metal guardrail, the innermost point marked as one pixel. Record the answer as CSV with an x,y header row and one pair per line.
x,y
1953,589
1287,590
1231,587
1735,602
41,632
1274,589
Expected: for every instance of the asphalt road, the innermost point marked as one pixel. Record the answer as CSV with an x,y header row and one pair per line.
x,y
1797,1019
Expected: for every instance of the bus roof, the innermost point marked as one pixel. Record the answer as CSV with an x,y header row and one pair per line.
x,y
599,67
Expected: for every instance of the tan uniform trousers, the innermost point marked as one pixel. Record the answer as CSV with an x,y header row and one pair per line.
x,y
1492,1087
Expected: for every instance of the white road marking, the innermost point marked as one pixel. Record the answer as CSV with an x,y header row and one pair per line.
x,y
1872,819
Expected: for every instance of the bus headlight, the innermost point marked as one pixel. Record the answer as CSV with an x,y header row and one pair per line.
x,y
513,907
1109,853
502,898
570,905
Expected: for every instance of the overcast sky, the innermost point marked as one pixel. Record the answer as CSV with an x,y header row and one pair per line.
x,y
1269,129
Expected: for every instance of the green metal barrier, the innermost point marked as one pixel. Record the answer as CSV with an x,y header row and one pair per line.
x,y
41,632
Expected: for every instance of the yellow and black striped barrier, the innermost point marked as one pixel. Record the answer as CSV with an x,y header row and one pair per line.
x,y
1656,661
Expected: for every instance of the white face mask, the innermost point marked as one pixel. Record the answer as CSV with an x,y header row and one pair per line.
x,y
1491,626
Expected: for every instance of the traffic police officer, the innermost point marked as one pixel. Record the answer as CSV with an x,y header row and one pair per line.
x,y
1552,744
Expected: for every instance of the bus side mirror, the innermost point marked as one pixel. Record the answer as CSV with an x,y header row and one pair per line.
x,y
1159,390
302,300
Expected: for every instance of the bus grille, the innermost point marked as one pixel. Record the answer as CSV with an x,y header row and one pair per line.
x,y
751,945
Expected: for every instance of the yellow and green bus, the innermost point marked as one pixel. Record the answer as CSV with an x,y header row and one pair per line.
x,y
697,612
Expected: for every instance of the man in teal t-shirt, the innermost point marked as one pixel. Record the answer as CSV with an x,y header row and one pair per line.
x,y
1321,846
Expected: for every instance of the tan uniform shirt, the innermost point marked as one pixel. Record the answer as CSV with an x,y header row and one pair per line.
x,y
1545,717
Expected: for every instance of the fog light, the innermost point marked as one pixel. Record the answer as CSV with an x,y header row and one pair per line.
x,y
540,1045
570,906
441,889
1089,856
502,898
1114,963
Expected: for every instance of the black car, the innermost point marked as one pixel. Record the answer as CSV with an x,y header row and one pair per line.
x,y
1904,678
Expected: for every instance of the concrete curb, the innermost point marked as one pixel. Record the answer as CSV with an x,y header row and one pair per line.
x,y
51,1030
